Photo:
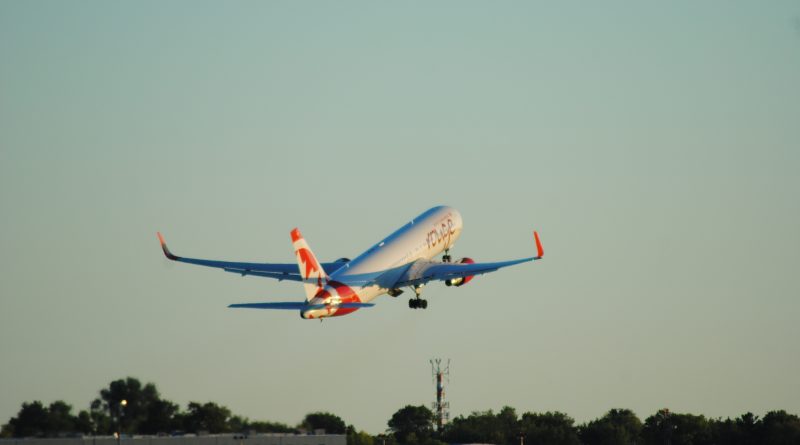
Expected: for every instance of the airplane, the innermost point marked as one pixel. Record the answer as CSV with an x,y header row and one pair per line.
x,y
402,259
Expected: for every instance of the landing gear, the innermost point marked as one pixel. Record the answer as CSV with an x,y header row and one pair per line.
x,y
446,257
417,303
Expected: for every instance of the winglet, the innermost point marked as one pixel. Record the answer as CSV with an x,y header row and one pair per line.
x,y
539,249
164,247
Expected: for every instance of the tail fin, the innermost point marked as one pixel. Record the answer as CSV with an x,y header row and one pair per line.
x,y
310,270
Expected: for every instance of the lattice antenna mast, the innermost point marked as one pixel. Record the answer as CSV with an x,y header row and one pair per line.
x,y
441,408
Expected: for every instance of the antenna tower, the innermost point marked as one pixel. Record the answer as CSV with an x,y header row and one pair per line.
x,y
441,409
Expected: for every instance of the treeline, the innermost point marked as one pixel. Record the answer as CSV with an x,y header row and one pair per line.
x,y
618,426
129,407
132,408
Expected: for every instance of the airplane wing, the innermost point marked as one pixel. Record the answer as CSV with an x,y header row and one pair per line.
x,y
279,271
422,272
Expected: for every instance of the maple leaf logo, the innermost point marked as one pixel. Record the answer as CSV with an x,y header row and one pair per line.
x,y
307,258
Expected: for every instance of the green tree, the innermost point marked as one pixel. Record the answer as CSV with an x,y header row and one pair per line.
x,y
412,424
207,417
483,427
138,399
144,411
60,418
779,428
358,437
331,423
269,427
665,427
161,416
743,430
100,421
508,425
243,424
36,420
550,428
384,439
616,427
31,421
83,423
238,424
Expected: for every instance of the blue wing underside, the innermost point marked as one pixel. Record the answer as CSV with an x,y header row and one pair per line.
x,y
423,272
279,271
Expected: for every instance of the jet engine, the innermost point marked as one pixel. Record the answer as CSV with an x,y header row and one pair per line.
x,y
460,281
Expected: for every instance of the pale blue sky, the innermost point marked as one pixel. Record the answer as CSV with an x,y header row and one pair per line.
x,y
654,145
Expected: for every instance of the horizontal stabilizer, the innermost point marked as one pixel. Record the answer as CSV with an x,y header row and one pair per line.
x,y
341,305
282,305
291,305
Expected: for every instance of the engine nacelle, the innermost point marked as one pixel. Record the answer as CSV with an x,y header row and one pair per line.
x,y
460,281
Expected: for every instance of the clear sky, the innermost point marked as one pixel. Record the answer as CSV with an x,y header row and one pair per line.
x,y
655,146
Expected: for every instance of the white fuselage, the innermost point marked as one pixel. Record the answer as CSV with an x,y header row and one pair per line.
x,y
375,271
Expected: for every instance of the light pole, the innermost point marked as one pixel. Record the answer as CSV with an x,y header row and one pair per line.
x,y
122,405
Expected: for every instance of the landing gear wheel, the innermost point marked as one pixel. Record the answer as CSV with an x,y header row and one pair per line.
x,y
417,303
446,257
